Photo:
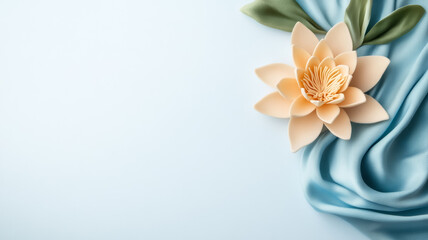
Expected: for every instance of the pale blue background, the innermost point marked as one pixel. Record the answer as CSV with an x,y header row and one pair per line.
x,y
133,119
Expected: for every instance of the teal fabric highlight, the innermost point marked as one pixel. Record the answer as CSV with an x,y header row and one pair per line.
x,y
378,180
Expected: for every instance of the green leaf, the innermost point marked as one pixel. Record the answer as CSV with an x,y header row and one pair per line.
x,y
357,17
395,25
280,14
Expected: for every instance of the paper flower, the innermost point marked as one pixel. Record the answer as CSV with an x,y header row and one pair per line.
x,y
325,88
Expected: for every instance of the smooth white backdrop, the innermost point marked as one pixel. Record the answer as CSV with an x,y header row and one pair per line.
x,y
127,119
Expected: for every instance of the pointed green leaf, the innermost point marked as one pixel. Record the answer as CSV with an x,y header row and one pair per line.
x,y
280,14
395,25
357,17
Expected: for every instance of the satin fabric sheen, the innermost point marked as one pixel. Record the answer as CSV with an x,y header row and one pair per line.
x,y
378,180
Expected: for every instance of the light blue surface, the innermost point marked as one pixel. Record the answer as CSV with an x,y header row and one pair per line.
x,y
378,180
133,120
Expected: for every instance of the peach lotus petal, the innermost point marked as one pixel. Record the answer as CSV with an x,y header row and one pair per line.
x,y
343,69
271,74
288,88
304,94
327,62
340,97
274,105
304,38
369,71
317,103
339,39
299,76
303,130
328,113
312,62
353,97
369,112
301,107
341,127
346,85
347,58
300,57
322,50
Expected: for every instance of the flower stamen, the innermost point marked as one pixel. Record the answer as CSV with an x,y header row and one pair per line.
x,y
322,83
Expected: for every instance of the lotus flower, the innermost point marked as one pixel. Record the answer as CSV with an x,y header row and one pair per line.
x,y
325,88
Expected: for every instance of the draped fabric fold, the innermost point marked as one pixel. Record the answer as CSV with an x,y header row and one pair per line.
x,y
378,180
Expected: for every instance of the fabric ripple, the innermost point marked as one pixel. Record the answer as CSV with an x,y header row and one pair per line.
x,y
378,180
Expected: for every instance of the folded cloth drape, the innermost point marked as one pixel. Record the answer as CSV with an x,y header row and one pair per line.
x,y
378,180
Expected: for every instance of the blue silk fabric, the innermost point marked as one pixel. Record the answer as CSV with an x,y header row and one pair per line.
x,y
378,180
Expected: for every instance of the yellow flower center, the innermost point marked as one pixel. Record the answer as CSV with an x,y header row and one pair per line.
x,y
323,83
